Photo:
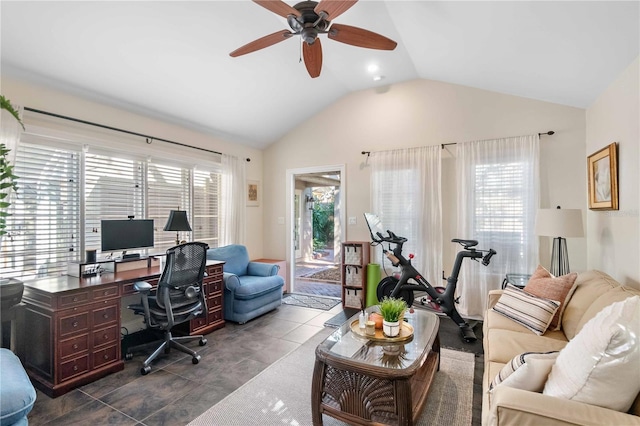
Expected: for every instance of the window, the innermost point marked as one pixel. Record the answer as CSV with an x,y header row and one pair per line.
x,y
43,232
61,186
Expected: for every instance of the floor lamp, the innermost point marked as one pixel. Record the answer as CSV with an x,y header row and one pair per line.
x,y
560,224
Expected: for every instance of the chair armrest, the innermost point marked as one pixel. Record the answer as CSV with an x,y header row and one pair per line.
x,y
259,269
511,406
231,281
494,295
142,287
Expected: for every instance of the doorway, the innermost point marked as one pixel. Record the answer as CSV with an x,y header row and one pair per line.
x,y
315,221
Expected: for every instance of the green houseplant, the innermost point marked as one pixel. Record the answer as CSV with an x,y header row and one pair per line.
x,y
392,311
7,178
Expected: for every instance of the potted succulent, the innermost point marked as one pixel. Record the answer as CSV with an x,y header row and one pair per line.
x,y
392,311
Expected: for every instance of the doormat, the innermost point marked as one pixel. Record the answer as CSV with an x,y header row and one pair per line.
x,y
315,302
328,274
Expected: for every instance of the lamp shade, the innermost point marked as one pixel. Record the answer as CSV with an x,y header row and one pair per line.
x,y
177,221
559,223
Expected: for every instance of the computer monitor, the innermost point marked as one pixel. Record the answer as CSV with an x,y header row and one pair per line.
x,y
125,235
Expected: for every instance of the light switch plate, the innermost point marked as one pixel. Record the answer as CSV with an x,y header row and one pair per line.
x,y
280,220
353,220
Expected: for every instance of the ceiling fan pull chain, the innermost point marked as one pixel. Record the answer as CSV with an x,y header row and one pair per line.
x,y
300,54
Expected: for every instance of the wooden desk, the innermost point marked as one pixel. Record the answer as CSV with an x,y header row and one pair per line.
x,y
74,324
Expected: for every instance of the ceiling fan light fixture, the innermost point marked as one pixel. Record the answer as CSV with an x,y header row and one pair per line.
x,y
309,35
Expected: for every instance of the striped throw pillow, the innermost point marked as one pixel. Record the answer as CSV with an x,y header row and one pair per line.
x,y
527,371
531,311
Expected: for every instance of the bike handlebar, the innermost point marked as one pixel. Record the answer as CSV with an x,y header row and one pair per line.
x,y
487,258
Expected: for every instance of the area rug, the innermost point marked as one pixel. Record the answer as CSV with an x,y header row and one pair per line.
x,y
315,302
281,394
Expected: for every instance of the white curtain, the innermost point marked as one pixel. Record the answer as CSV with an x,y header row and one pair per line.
x,y
232,201
406,195
497,200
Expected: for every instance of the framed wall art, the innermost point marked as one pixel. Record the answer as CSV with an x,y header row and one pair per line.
x,y
253,193
602,171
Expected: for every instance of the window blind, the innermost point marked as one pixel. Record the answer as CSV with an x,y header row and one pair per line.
x,y
168,189
206,206
43,229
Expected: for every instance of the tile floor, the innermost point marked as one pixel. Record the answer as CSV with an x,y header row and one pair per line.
x,y
176,391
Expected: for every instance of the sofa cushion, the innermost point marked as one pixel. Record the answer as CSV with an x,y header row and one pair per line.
x,y
493,319
545,285
590,286
531,311
527,371
506,344
599,366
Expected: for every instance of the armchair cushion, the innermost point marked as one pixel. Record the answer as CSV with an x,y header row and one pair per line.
x,y
17,394
235,256
262,269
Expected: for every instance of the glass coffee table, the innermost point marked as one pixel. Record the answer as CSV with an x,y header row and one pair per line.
x,y
361,381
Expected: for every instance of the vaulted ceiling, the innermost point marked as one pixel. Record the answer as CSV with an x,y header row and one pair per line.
x,y
170,60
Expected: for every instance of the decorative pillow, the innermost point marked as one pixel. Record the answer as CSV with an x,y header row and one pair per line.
x,y
543,284
527,371
531,311
599,366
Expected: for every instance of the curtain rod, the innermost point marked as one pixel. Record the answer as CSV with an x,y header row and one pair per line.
x,y
442,145
148,138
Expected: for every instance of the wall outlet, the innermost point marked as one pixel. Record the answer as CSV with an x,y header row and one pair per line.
x,y
280,220
353,220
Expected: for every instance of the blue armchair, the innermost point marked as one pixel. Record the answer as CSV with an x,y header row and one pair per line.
x,y
250,288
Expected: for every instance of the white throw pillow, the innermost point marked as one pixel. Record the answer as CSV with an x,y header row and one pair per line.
x,y
526,309
527,371
601,364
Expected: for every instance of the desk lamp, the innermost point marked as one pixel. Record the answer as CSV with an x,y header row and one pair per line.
x,y
177,222
560,224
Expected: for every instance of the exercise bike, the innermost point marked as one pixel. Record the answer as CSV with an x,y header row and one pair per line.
x,y
439,299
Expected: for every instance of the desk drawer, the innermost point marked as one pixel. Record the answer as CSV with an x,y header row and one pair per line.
x,y
73,323
198,323
74,367
74,346
214,271
74,299
214,287
105,336
214,302
128,287
214,316
105,293
105,356
105,315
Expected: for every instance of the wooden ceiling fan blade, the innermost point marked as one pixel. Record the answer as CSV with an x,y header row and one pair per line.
x,y
312,54
334,8
278,7
262,42
360,37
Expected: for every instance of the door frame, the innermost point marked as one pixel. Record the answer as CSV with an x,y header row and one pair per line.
x,y
290,219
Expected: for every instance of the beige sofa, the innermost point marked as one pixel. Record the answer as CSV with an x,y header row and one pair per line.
x,y
504,339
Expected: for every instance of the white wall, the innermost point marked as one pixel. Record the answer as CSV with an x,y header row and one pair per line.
x,y
613,243
34,96
421,113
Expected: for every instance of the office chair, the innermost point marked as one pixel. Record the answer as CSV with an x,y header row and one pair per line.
x,y
178,298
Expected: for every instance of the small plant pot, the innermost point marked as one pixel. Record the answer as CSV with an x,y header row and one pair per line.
x,y
391,329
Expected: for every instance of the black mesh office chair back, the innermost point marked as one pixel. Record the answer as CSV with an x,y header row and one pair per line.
x,y
178,298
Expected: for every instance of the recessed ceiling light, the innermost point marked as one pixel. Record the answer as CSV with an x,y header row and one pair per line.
x,y
373,68
378,77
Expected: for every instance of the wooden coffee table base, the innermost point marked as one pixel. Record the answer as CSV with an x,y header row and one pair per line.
x,y
359,395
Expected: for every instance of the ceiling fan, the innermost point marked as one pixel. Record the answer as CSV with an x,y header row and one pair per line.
x,y
309,19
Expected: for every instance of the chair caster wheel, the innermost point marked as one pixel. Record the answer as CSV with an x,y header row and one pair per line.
x,y
145,370
195,359
128,356
202,342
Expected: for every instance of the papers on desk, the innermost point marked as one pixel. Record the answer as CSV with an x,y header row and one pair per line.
x,y
348,346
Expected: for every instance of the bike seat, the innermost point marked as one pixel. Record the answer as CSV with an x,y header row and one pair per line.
x,y
465,243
